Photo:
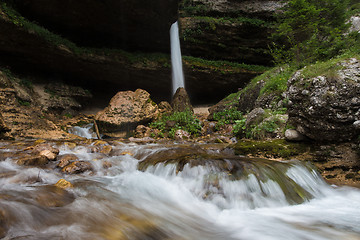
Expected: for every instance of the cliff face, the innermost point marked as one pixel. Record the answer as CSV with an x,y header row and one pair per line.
x,y
134,25
228,29
92,44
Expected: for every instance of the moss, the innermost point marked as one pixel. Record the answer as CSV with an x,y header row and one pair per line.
x,y
223,66
275,148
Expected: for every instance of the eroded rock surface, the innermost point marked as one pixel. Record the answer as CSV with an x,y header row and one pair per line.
x,y
327,108
125,112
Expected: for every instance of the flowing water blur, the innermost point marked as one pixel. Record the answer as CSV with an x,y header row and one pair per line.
x,y
176,191
176,60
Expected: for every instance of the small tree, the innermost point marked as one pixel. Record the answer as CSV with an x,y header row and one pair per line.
x,y
309,30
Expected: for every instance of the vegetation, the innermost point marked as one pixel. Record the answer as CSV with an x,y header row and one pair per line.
x,y
266,128
228,116
223,66
274,148
168,124
310,31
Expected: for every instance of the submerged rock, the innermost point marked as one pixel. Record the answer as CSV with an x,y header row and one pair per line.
x,y
125,112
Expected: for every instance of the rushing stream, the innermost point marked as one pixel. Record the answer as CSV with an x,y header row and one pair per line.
x,y
177,191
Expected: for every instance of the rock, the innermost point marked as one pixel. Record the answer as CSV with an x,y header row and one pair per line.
x,y
46,150
106,165
106,149
77,167
181,101
48,154
330,107
66,159
62,183
142,140
32,160
181,134
355,24
255,117
125,112
165,108
3,127
293,135
142,131
356,124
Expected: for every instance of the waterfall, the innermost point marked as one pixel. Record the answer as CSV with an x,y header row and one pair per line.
x,y
176,64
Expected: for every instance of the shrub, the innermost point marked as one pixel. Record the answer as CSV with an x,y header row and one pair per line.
x,y
310,30
178,120
227,116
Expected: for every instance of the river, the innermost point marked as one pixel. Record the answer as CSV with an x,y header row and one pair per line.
x,y
172,191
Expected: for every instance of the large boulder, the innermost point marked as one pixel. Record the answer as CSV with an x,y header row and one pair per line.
x,y
327,108
126,110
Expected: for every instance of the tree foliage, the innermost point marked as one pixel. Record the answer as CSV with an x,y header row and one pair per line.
x,y
310,30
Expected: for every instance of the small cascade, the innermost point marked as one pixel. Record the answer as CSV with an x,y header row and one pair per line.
x,y
176,61
85,131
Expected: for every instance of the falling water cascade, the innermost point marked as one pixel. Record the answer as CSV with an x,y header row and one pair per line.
x,y
176,62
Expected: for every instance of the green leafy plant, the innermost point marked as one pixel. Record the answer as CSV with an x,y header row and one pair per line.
x,y
310,30
178,120
228,116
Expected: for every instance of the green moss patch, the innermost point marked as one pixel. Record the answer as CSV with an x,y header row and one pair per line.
x,y
278,148
223,66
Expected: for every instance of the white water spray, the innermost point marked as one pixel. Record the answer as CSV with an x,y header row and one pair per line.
x,y
176,62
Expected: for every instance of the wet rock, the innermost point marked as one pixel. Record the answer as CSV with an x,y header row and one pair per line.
x,y
293,135
181,101
77,167
142,140
125,112
53,196
48,154
66,159
106,149
62,183
32,160
106,165
329,107
41,147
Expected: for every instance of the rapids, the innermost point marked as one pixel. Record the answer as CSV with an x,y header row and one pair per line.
x,y
172,191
